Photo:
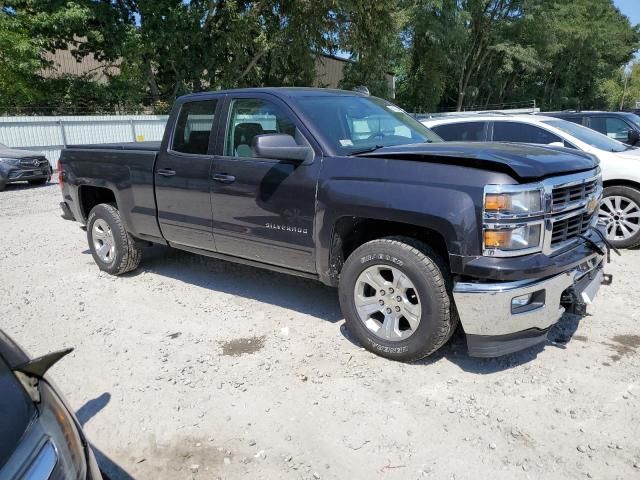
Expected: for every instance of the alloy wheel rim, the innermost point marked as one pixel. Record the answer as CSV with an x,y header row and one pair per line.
x,y
103,242
387,303
621,217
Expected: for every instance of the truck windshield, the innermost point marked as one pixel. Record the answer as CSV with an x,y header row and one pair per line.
x,y
588,136
352,124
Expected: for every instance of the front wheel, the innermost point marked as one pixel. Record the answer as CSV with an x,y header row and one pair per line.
x,y
112,248
620,212
394,294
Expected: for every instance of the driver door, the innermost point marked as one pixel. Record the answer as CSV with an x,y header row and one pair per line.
x,y
263,208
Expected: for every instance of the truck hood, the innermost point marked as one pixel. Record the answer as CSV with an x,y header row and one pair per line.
x,y
523,161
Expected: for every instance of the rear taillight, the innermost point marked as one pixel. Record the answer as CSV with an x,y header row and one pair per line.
x,y
60,179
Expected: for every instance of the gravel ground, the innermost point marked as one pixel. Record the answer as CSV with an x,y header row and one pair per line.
x,y
198,368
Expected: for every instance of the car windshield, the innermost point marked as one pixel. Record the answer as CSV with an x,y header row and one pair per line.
x,y
633,118
352,124
588,136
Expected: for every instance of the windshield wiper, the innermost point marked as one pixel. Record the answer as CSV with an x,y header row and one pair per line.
x,y
367,150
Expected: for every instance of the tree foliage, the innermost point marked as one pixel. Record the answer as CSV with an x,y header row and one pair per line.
x,y
446,54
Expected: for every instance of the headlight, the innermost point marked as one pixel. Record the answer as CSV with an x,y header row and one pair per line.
x,y
528,202
512,239
10,161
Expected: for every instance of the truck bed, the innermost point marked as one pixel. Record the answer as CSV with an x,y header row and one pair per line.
x,y
139,146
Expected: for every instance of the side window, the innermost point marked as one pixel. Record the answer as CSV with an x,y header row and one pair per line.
x,y
251,117
522,133
598,124
193,127
461,132
577,120
617,129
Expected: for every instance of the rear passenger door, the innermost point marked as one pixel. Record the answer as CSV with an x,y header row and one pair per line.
x,y
462,131
182,175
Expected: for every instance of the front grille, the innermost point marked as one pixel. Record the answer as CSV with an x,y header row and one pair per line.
x,y
570,228
33,162
564,197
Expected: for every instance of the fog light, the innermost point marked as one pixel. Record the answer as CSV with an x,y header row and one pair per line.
x,y
528,302
521,301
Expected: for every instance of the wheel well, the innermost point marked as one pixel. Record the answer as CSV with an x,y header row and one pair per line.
x,y
91,196
621,183
351,232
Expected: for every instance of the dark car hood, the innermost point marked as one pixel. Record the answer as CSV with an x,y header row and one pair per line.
x,y
525,162
16,153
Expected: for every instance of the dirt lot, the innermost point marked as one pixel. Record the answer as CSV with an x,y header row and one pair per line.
x,y
198,368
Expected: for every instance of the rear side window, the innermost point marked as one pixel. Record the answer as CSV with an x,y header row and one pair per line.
x,y
461,132
522,133
193,127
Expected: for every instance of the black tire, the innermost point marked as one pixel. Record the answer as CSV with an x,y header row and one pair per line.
x,y
428,273
40,181
630,194
3,184
127,254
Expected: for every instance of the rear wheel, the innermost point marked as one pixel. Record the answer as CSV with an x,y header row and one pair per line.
x,y
394,294
112,248
620,212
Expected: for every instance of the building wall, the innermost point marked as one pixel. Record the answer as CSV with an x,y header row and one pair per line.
x,y
64,63
329,69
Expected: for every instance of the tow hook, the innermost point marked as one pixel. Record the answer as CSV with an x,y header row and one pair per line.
x,y
573,304
597,248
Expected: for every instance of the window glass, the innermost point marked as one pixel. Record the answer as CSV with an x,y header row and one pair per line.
x,y
617,129
522,133
251,117
352,123
194,127
463,132
577,120
587,135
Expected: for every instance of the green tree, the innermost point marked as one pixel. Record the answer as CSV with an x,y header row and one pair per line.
x,y
20,61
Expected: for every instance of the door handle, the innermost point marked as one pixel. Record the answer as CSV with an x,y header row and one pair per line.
x,y
166,172
224,178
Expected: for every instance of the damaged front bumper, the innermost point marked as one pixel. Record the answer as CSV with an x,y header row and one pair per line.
x,y
504,317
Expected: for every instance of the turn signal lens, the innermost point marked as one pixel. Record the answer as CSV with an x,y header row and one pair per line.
x,y
497,202
497,238
527,202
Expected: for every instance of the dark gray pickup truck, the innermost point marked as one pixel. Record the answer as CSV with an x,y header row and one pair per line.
x,y
418,235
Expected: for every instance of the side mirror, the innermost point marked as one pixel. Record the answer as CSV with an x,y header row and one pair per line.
x,y
634,137
280,146
556,144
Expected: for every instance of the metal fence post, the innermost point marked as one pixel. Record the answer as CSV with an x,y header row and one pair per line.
x,y
63,133
133,129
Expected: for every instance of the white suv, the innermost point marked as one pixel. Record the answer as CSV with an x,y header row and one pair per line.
x,y
620,208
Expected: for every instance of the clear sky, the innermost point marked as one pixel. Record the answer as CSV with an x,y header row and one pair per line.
x,y
631,8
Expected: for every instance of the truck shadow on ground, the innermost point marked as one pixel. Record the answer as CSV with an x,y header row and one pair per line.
x,y
110,469
312,298
299,294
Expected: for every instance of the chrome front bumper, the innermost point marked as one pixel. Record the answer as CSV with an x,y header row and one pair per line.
x,y
494,327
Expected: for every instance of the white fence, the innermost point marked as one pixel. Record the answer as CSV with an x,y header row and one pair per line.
x,y
50,134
